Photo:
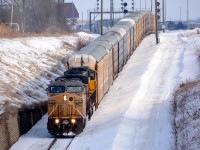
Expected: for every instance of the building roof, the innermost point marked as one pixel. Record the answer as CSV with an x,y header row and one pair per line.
x,y
70,11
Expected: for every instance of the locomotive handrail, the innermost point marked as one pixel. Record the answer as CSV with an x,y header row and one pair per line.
x,y
79,112
52,111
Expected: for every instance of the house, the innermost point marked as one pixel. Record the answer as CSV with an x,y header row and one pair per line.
x,y
70,13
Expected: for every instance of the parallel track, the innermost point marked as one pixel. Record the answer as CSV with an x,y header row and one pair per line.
x,y
69,144
52,143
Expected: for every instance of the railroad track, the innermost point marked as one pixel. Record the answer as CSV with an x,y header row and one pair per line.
x,y
52,143
62,143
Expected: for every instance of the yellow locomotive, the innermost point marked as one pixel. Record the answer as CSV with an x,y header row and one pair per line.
x,y
71,100
90,73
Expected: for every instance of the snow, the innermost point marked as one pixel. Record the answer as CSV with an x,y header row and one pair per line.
x,y
37,138
29,64
188,101
135,113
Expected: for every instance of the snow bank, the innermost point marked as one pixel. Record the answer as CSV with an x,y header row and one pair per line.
x,y
187,102
29,64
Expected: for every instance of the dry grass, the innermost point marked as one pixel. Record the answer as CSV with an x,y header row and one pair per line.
x,y
182,117
172,111
188,84
81,43
68,45
198,52
6,32
198,31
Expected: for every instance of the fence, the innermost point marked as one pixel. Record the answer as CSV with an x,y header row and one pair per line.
x,y
14,123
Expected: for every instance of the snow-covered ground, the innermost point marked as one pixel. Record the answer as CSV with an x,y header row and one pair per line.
x,y
29,64
135,114
187,105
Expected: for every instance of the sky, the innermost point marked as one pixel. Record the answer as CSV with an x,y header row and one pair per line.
x,y
175,9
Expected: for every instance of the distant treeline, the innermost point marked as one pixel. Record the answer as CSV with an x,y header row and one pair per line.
x,y
33,15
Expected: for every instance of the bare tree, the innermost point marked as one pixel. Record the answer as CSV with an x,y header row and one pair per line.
x,y
34,15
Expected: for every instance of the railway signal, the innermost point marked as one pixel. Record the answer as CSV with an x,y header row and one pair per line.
x,y
133,5
97,5
158,10
124,4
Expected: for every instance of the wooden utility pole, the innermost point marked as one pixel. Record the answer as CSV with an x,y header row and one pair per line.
x,y
163,15
156,22
23,16
11,18
111,13
165,12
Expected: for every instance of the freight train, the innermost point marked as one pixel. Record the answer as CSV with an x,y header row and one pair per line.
x,y
73,97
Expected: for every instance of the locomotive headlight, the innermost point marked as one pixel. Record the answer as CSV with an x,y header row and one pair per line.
x,y
57,121
73,121
65,97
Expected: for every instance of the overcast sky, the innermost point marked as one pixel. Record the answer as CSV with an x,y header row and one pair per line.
x,y
176,9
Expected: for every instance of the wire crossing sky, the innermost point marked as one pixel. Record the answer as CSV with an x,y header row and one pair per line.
x,y
175,9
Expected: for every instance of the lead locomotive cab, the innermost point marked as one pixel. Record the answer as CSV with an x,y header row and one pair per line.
x,y
66,106
71,100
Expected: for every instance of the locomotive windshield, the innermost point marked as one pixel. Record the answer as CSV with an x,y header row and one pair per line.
x,y
82,71
74,89
57,89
